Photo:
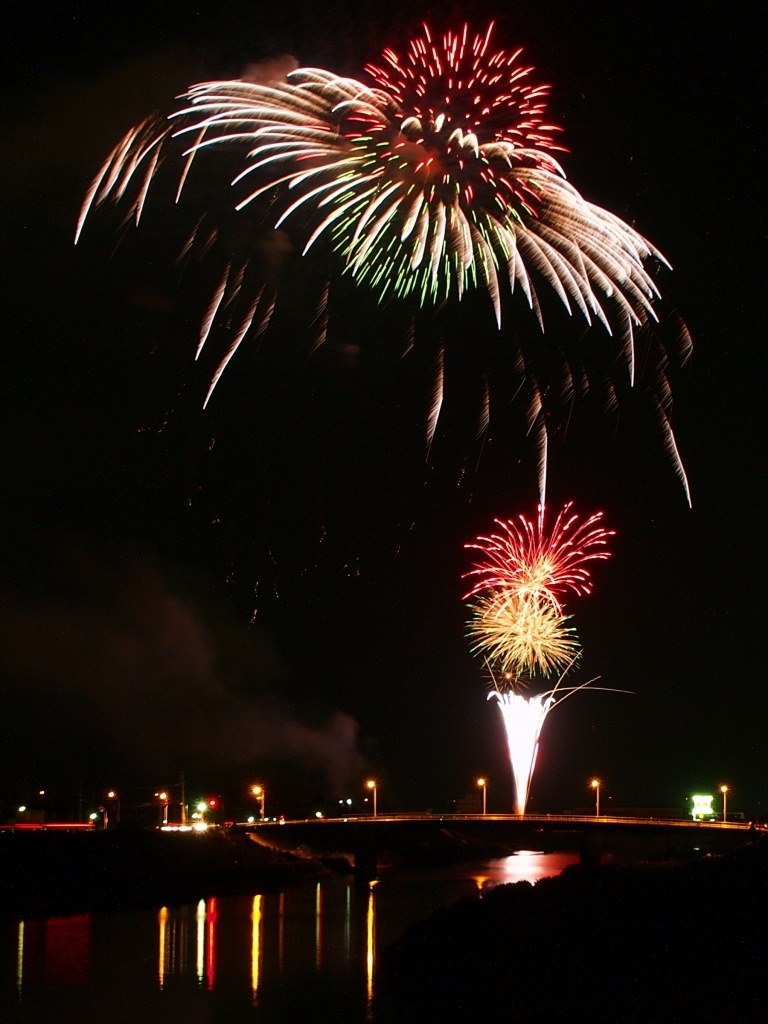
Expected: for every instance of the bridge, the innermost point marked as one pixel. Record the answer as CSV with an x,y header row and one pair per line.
x,y
435,838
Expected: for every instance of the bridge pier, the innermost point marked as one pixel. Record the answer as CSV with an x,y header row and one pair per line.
x,y
365,860
590,849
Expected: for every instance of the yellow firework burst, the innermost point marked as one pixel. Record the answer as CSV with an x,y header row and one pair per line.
x,y
522,635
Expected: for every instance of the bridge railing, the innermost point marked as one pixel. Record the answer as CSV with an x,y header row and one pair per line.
x,y
529,819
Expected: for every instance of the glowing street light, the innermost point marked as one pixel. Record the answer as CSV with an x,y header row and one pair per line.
x,y
595,784
724,791
371,784
260,793
164,803
115,798
483,784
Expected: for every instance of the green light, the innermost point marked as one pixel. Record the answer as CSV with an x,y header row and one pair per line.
x,y
702,806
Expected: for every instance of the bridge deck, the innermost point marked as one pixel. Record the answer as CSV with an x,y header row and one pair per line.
x,y
409,838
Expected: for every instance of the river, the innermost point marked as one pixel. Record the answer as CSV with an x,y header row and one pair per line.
x,y
311,952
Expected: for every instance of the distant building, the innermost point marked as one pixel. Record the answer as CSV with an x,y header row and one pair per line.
x,y
635,811
472,803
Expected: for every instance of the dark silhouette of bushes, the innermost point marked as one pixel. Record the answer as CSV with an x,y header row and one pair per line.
x,y
600,944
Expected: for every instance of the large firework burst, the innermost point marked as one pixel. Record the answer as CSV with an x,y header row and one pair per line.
x,y
438,177
435,177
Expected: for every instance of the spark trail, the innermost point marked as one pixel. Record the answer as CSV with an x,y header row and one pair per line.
x,y
433,176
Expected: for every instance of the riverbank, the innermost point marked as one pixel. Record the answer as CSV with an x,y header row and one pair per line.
x,y
609,944
48,873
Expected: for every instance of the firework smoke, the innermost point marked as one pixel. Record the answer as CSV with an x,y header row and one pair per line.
x,y
141,678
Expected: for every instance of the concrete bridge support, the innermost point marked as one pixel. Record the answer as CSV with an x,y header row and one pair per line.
x,y
591,849
365,858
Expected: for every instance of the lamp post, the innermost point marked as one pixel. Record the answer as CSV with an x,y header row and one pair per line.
x,y
164,801
115,798
371,784
724,791
483,784
595,784
260,793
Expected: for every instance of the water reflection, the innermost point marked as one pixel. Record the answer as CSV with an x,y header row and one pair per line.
x,y
370,944
54,952
280,931
523,866
319,926
19,959
255,947
207,947
200,960
179,946
172,943
310,952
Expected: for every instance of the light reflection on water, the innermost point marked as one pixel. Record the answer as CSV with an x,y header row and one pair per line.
x,y
307,953
255,947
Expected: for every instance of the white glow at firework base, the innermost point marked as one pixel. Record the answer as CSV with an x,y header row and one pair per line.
x,y
524,719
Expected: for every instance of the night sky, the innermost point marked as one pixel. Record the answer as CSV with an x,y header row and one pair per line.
x,y
271,589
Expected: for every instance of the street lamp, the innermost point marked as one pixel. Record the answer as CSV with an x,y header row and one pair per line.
x,y
595,784
483,784
164,801
260,793
114,797
724,791
371,784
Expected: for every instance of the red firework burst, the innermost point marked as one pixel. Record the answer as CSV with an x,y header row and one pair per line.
x,y
525,560
457,77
